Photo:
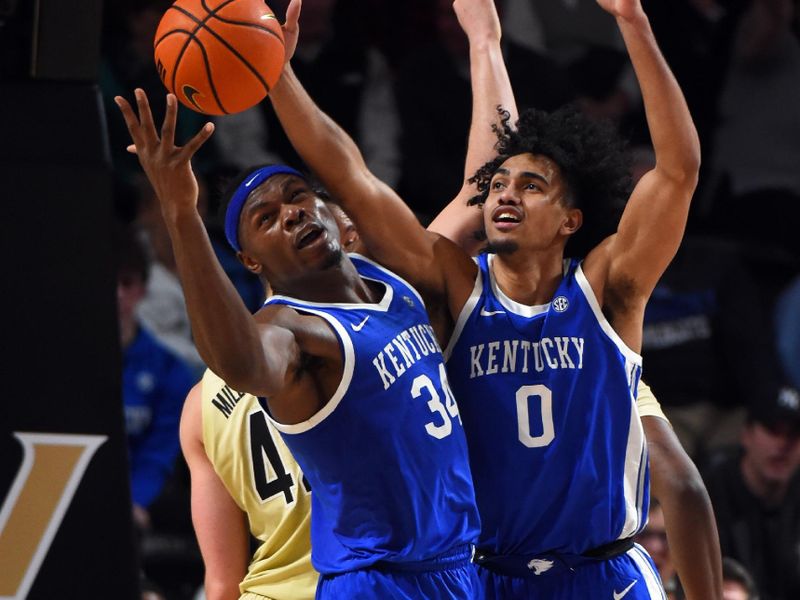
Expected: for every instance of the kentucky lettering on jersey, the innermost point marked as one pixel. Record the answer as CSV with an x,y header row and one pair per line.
x,y
411,345
547,398
386,456
520,355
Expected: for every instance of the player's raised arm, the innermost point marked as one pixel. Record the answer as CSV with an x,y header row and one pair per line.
x,y
491,88
654,220
219,524
227,337
390,231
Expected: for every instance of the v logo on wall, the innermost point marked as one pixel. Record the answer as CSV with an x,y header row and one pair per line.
x,y
52,467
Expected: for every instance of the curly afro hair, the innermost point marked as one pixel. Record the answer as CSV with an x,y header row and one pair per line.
x,y
592,158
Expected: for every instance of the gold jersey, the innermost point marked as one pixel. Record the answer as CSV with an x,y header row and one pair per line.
x,y
263,478
647,404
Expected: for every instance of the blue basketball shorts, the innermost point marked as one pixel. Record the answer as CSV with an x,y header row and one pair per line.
x,y
629,576
449,577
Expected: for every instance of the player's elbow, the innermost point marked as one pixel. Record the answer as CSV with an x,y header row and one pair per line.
x,y
218,587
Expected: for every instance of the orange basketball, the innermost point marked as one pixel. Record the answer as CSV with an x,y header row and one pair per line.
x,y
219,56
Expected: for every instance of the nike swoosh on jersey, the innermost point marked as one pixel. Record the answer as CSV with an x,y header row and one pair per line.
x,y
360,325
618,595
489,313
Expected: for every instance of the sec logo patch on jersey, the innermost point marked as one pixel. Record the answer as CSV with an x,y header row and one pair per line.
x,y
560,304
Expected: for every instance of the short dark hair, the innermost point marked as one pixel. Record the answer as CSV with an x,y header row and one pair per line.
x,y
733,570
591,155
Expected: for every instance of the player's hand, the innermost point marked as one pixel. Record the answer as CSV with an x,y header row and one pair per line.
x,y
167,166
478,19
291,28
628,10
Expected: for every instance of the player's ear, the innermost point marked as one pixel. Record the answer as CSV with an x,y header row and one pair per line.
x,y
249,264
572,222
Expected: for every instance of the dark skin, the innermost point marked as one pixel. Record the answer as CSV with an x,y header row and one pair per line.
x,y
688,514
290,238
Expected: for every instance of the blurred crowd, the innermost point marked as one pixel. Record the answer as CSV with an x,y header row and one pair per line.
x,y
722,333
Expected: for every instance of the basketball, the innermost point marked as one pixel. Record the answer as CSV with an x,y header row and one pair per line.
x,y
219,56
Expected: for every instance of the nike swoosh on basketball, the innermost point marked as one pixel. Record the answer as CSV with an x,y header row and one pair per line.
x,y
618,595
489,313
360,325
190,93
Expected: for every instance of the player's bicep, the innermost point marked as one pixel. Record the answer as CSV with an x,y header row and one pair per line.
x,y
650,231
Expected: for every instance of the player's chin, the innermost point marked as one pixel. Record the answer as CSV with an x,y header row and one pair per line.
x,y
502,244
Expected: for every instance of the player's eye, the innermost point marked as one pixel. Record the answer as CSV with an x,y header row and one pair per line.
x,y
498,185
532,187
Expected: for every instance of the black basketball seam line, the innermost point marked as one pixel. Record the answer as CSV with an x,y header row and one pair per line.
x,y
191,35
202,25
245,23
208,73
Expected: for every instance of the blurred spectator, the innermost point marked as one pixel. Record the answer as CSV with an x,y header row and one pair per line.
x,y
127,63
154,384
707,344
345,74
695,37
654,539
163,309
755,491
737,583
433,98
758,140
787,329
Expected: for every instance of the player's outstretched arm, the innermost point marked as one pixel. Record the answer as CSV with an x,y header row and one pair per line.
x,y
491,88
219,524
227,337
688,514
654,219
390,231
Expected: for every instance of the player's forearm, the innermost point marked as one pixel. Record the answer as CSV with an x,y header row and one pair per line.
x,y
688,514
672,130
694,541
322,144
491,88
224,331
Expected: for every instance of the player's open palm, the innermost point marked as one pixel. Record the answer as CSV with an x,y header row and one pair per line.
x,y
167,166
625,9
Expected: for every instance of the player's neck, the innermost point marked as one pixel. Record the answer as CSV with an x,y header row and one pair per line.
x,y
340,284
528,278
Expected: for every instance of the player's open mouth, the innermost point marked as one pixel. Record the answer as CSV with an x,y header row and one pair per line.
x,y
506,217
308,235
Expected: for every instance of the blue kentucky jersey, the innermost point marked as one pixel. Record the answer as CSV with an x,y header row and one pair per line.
x,y
386,457
547,396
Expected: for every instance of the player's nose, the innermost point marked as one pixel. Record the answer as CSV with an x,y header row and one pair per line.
x,y
292,215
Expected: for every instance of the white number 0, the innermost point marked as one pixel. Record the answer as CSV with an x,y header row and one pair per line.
x,y
446,411
523,421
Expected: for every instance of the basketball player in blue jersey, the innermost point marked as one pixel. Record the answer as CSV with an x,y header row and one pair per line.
x,y
348,361
545,350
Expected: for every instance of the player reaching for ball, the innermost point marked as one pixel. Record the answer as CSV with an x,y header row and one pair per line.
x,y
347,359
544,351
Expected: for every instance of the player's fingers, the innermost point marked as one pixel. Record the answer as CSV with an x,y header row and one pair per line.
x,y
132,149
131,121
145,117
293,15
170,117
200,138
